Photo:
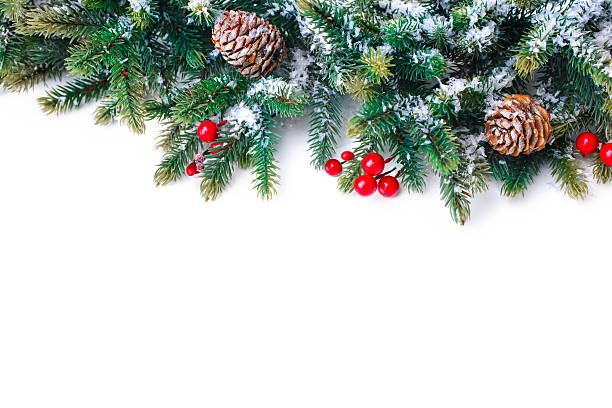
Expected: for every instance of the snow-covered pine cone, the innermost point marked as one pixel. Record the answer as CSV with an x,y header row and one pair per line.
x,y
518,125
250,44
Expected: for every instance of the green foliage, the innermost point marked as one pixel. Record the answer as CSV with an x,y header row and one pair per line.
x,y
168,136
425,79
533,51
421,64
14,10
70,21
219,167
181,149
601,173
438,143
455,190
569,173
126,93
66,97
365,144
277,98
399,33
376,66
515,173
265,169
404,148
208,97
325,120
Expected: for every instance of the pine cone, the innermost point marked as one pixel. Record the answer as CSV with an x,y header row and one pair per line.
x,y
250,44
518,126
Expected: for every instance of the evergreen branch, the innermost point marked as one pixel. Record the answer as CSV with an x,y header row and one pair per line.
x,y
219,167
207,98
601,172
262,143
168,136
101,50
421,64
14,10
277,97
455,190
534,50
25,77
366,143
406,153
399,33
324,129
179,154
126,90
439,146
569,174
515,173
74,94
69,21
143,13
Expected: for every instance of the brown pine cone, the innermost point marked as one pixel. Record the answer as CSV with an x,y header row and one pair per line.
x,y
518,126
250,44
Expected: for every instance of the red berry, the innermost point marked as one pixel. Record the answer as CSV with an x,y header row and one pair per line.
x,y
606,154
213,145
587,143
346,156
208,131
388,186
373,164
365,185
192,169
333,167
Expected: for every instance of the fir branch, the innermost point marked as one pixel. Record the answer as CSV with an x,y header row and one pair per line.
x,y
534,50
99,51
179,154
126,90
143,13
324,128
69,21
14,10
366,143
421,64
455,190
601,172
277,97
207,98
262,143
515,173
74,94
155,109
439,145
405,151
24,77
219,167
399,33
569,174
168,136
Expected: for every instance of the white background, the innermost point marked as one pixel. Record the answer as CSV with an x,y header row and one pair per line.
x,y
114,293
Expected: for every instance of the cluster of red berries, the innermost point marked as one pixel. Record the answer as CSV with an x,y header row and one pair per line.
x,y
587,143
208,132
373,166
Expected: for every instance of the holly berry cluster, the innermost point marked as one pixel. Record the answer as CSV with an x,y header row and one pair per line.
x,y
373,165
587,143
208,132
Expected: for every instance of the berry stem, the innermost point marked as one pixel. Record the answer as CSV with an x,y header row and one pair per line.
x,y
385,173
390,158
223,122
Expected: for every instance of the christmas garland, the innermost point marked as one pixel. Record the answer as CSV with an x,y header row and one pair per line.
x,y
472,90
